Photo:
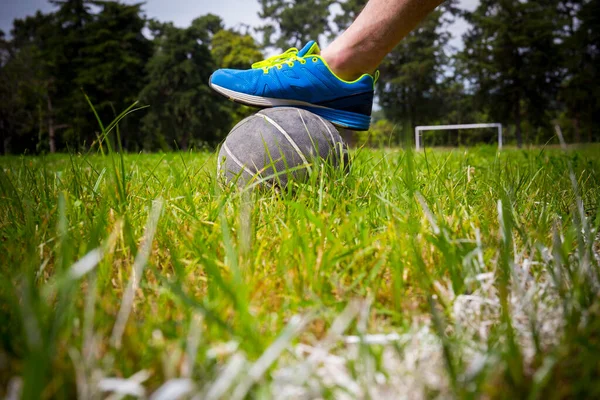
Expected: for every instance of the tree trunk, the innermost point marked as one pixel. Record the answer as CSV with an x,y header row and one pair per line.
x,y
577,131
51,128
590,123
412,117
39,145
184,142
518,122
2,139
407,131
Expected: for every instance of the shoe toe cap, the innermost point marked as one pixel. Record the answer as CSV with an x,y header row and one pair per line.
x,y
237,80
222,77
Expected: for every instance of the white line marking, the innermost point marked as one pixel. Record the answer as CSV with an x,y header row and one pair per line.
x,y
307,131
328,130
289,139
254,175
333,142
235,160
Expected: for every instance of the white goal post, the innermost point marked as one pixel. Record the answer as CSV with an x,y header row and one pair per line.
x,y
419,129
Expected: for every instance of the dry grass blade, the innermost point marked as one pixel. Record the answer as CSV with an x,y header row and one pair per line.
x,y
256,371
173,389
226,379
136,273
120,387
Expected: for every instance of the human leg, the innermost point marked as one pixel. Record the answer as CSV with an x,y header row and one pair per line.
x,y
376,31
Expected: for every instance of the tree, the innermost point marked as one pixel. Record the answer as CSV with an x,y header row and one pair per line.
x,y
38,55
183,109
113,60
58,55
97,47
412,74
580,51
511,60
292,23
412,85
12,109
63,51
350,10
230,49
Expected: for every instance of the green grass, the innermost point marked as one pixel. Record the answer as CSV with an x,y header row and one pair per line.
x,y
400,244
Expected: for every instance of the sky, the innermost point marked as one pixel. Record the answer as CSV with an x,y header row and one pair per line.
x,y
233,12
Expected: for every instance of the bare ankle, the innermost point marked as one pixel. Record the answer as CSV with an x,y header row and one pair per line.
x,y
341,64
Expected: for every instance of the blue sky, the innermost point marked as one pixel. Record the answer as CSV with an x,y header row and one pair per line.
x,y
182,12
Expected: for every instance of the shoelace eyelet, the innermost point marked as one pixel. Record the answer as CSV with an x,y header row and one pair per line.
x,y
279,66
303,61
290,64
314,59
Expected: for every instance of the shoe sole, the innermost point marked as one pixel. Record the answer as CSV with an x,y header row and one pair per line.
x,y
344,119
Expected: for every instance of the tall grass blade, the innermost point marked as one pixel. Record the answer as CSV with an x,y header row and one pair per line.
x,y
136,273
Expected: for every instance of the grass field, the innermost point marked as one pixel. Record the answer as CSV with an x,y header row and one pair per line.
x,y
465,273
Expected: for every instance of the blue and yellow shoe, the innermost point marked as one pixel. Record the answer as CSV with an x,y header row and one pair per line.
x,y
300,78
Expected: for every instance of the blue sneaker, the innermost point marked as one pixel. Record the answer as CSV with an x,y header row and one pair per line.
x,y
300,79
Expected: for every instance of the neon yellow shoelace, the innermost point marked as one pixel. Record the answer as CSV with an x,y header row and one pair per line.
x,y
288,56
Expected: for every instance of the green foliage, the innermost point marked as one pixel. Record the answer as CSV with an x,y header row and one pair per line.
x,y
512,60
292,23
69,51
15,94
409,88
230,49
350,10
580,91
100,50
113,61
183,60
382,133
179,71
29,77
